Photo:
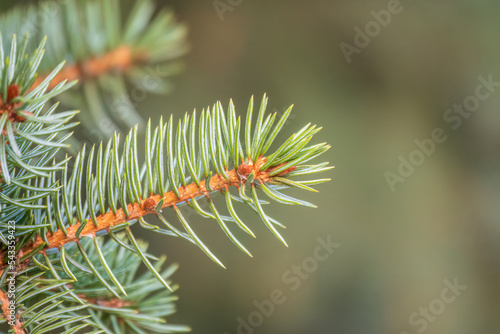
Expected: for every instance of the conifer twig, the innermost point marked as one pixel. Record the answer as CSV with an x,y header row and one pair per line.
x,y
106,221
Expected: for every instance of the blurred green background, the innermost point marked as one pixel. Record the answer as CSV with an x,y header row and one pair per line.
x,y
397,248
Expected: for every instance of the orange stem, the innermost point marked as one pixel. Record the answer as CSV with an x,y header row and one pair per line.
x,y
119,59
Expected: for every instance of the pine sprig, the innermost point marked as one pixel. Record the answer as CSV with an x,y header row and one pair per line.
x,y
49,297
185,166
37,303
123,313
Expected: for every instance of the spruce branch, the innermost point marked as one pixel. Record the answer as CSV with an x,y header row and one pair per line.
x,y
201,157
104,222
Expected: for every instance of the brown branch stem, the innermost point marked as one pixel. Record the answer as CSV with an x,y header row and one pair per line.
x,y
113,303
119,59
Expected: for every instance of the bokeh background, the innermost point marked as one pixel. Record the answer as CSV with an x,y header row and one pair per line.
x,y
396,247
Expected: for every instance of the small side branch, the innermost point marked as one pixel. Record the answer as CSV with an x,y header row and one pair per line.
x,y
147,206
119,59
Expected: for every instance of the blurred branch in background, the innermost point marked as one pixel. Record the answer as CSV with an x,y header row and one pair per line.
x,y
105,52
